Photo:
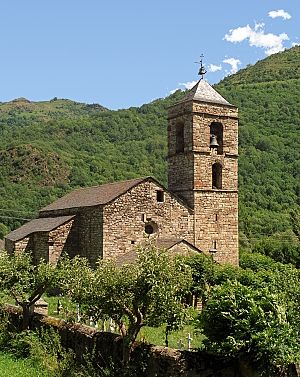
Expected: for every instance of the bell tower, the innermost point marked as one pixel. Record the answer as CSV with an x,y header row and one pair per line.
x,y
203,167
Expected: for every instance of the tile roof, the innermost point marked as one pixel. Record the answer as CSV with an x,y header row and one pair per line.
x,y
160,243
168,243
127,258
92,196
45,224
203,92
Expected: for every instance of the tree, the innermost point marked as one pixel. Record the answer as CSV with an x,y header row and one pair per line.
x,y
252,323
295,218
24,281
3,230
150,291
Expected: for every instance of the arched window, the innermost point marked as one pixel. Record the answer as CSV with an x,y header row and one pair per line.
x,y
179,138
216,129
217,176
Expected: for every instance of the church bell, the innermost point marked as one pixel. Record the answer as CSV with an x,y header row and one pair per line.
x,y
213,141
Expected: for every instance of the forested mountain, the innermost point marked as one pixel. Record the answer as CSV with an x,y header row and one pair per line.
x,y
48,148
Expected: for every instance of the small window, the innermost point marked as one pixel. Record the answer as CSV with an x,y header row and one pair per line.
x,y
160,196
149,229
51,243
217,176
179,138
216,217
213,247
132,242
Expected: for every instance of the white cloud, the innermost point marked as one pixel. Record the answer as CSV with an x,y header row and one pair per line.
x,y
173,91
234,63
239,34
257,37
214,68
188,85
295,44
280,13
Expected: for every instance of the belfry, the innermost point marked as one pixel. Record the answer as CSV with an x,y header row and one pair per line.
x,y
203,167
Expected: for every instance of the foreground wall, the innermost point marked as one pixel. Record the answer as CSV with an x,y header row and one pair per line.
x,y
157,361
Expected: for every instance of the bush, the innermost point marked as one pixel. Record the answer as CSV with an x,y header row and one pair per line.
x,y
255,323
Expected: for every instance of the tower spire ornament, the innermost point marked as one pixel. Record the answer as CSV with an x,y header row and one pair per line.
x,y
202,70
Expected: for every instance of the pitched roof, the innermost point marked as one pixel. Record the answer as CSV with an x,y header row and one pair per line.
x,y
127,258
168,243
44,224
160,243
92,196
203,92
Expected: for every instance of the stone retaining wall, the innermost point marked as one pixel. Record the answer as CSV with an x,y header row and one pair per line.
x,y
158,361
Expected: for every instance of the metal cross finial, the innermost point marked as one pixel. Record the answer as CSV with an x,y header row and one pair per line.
x,y
202,70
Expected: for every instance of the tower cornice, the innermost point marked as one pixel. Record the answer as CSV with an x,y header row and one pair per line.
x,y
203,113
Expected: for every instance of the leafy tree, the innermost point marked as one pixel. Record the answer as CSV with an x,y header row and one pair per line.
x,y
149,291
248,322
24,281
3,230
295,217
252,310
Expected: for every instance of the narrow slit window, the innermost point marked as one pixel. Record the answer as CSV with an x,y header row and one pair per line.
x,y
179,138
160,196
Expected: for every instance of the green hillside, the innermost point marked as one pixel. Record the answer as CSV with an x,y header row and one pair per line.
x,y
48,148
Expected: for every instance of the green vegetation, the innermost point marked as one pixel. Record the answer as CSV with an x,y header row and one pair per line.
x,y
24,281
150,291
49,148
251,311
12,367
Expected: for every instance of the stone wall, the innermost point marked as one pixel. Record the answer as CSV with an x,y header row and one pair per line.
x,y
57,241
85,236
154,361
216,221
90,233
19,246
126,217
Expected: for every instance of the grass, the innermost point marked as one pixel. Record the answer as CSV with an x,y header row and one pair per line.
x,y
12,367
177,339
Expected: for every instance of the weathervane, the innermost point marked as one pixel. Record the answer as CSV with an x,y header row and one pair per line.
x,y
202,70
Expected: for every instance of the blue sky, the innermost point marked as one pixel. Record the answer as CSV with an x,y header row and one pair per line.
x,y
123,53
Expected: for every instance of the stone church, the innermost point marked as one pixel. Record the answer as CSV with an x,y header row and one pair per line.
x,y
197,212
